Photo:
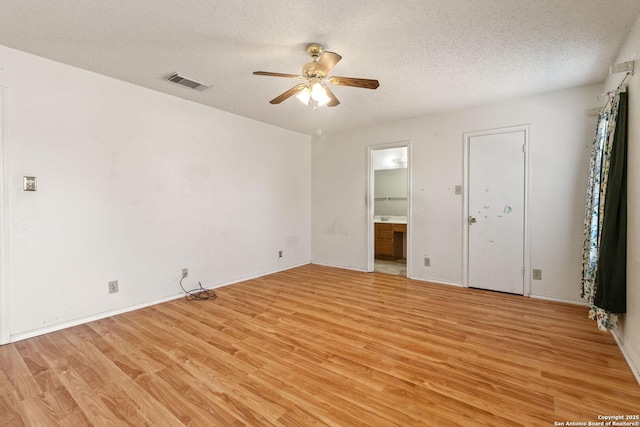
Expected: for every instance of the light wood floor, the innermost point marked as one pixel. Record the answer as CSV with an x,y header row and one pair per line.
x,y
322,346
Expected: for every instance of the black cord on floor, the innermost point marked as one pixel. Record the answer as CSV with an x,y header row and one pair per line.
x,y
198,294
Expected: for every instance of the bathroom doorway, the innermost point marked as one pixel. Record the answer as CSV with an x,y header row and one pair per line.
x,y
389,207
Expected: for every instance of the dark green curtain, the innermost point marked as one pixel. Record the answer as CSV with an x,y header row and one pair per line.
x,y
611,280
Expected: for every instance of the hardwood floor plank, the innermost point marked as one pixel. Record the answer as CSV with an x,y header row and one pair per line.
x,y
16,371
319,346
309,401
40,410
38,365
213,395
75,419
166,395
89,402
11,410
63,403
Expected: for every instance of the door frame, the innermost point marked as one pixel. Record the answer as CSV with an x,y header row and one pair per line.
x,y
5,317
371,239
465,197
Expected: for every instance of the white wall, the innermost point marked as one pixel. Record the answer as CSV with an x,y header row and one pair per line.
x,y
134,185
629,324
560,143
390,184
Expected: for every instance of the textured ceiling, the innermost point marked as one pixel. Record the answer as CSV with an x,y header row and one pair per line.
x,y
429,55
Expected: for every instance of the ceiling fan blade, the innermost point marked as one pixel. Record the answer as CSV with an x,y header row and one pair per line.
x,y
327,61
297,88
267,73
334,101
354,82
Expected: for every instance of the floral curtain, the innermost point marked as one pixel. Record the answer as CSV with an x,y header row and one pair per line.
x,y
604,240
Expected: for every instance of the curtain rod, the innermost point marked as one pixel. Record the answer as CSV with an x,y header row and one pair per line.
x,y
621,87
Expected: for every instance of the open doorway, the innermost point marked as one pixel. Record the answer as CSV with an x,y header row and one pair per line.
x,y
389,209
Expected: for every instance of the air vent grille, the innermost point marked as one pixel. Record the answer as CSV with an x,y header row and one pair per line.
x,y
187,81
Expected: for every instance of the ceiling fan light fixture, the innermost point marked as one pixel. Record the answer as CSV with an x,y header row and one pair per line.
x,y
304,95
319,94
314,92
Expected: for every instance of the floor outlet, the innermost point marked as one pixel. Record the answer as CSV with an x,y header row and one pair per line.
x,y
113,286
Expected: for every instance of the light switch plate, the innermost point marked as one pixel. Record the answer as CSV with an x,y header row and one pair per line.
x,y
30,183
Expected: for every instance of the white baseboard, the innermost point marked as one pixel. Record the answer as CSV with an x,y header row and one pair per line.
x,y
344,267
625,353
75,322
437,281
81,321
566,301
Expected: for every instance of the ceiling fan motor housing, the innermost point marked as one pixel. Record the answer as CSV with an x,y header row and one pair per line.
x,y
311,70
314,50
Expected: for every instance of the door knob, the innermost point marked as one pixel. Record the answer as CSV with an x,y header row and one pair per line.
x,y
472,220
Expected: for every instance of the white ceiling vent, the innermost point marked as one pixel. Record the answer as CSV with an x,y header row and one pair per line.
x,y
187,81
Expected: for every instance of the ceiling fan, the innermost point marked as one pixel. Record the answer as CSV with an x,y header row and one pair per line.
x,y
314,91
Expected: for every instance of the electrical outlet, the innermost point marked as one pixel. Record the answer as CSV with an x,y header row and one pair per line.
x,y
536,274
458,189
113,286
427,262
185,272
30,183
279,254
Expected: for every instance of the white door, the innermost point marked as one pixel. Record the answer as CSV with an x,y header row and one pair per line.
x,y
496,207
